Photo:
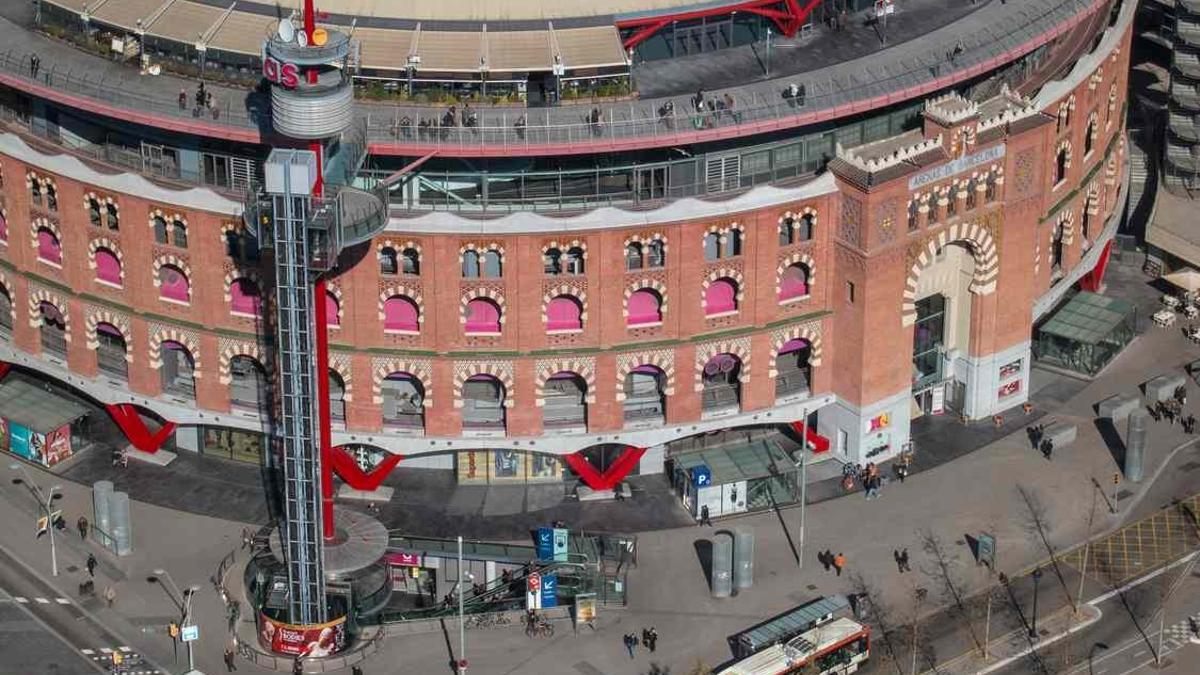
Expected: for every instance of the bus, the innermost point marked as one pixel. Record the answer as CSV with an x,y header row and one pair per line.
x,y
836,647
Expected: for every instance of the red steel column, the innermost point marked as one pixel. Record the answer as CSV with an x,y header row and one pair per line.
x,y
323,413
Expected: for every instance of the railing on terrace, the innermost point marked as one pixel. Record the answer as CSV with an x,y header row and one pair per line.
x,y
889,75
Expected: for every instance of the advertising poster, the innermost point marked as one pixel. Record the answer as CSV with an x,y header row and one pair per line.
x,y
58,446
472,466
545,467
560,544
3,434
507,465
585,608
19,438
320,640
1010,369
1009,389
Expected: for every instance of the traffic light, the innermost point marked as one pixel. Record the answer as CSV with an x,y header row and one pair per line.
x,y
1117,478
173,630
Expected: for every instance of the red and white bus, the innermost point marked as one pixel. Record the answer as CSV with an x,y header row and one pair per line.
x,y
836,647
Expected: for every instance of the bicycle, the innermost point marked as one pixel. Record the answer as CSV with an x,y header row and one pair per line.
x,y
541,629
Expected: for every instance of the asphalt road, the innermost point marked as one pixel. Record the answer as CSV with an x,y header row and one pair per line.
x,y
45,633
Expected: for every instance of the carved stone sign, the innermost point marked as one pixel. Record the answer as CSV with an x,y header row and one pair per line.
x,y
956,166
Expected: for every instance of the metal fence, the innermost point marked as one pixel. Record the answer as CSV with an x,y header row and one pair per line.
x,y
890,77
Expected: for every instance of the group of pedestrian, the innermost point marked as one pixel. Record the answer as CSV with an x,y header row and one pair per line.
x,y
649,641
1039,440
1172,410
204,101
710,110
901,557
828,560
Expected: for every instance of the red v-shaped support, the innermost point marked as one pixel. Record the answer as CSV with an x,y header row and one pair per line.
x,y
347,468
616,471
5,366
818,442
127,418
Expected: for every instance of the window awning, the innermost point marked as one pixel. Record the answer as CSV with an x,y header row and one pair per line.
x,y
1088,318
26,403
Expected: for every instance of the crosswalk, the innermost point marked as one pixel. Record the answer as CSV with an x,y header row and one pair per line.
x,y
132,663
41,601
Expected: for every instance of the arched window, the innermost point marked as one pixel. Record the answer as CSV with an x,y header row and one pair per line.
x,y
49,249
574,260
248,383
492,264
173,284
3,228
93,209
410,261
806,227
337,396
240,246
51,196
712,246
114,216
721,379
483,403
793,368
720,297
6,311
990,193
552,262
333,308
733,242
564,313
389,263
160,229
35,191
794,283
1089,138
1061,161
644,308
971,200
179,235
657,253
645,393
914,215
110,351
245,297
633,256
403,401
400,315
785,231
53,330
470,264
1057,245
108,267
177,374
483,317
565,403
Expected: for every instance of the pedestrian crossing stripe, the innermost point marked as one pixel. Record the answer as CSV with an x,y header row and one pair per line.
x,y
42,601
125,649
62,601
21,599
105,650
89,652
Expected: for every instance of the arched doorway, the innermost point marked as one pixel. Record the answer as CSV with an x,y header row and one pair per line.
x,y
403,402
721,379
483,403
645,394
565,401
942,330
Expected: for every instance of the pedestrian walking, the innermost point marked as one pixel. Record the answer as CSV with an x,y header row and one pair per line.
x,y
91,565
839,561
356,670
899,564
110,595
35,64
704,517
230,665
183,97
904,561
825,559
653,644
630,643
82,525
297,666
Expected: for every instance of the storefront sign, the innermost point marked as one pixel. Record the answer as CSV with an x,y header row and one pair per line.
x,y
937,400
545,544
318,640
283,74
560,544
701,475
955,167
549,591
1009,389
533,591
878,422
1010,369
403,559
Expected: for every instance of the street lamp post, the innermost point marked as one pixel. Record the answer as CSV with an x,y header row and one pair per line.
x,y
920,594
462,634
803,478
1037,576
183,601
45,501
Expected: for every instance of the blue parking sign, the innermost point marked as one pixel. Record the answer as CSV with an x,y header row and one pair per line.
x,y
701,475
549,591
545,544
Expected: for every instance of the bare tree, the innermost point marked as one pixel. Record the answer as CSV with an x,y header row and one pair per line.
x,y
1037,524
869,608
943,573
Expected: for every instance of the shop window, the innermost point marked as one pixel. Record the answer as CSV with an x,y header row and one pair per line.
x,y
720,298
108,267
483,317
173,284
794,283
49,249
644,308
401,315
564,313
245,297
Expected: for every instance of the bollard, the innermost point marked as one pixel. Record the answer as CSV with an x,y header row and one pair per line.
x,y
102,491
122,528
1135,447
743,557
721,572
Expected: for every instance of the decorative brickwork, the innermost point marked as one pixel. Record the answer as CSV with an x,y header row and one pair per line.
x,y
663,359
230,348
38,295
94,316
501,370
809,331
983,249
160,333
382,366
739,347
583,366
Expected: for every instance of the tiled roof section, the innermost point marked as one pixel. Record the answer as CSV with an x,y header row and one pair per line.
x,y
853,172
881,161
1003,109
951,109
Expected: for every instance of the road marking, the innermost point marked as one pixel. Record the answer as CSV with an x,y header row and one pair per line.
x,y
21,599
1139,653
62,601
125,649
105,650
42,601
89,652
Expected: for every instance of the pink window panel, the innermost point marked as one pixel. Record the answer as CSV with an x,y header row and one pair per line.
x,y
48,247
174,285
244,297
3,228
564,313
108,267
482,317
332,317
644,308
794,283
721,297
400,313
109,330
